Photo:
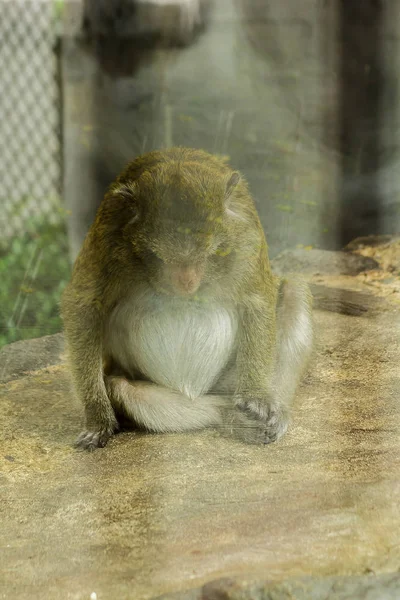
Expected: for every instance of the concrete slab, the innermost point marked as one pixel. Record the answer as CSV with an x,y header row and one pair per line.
x,y
155,514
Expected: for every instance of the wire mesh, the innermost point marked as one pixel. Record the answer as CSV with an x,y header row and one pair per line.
x,y
30,148
33,246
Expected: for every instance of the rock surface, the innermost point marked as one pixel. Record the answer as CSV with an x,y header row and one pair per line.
x,y
159,514
362,280
384,587
21,358
316,261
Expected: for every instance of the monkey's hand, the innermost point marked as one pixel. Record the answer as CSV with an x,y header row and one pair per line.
x,y
259,420
101,425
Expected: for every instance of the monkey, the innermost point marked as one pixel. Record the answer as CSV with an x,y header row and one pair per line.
x,y
173,317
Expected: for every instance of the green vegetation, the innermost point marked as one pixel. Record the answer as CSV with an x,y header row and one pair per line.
x,y
34,269
59,6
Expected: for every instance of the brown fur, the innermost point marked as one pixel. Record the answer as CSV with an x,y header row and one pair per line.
x,y
172,216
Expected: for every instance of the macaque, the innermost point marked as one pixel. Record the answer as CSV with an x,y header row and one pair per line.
x,y
173,318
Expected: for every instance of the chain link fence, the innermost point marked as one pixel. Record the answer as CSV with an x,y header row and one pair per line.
x,y
30,140
33,245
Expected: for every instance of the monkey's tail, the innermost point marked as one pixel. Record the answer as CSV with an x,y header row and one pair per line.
x,y
159,409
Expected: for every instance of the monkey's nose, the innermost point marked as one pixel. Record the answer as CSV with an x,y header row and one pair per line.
x,y
186,279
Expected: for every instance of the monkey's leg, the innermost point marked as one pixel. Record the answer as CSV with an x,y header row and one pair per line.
x,y
156,408
266,421
86,364
295,338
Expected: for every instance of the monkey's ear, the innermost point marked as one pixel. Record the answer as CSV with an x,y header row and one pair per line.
x,y
232,207
127,192
231,184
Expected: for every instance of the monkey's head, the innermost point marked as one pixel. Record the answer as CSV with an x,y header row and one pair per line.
x,y
181,221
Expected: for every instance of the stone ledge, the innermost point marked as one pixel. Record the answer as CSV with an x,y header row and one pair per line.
x,y
26,356
382,587
326,262
156,514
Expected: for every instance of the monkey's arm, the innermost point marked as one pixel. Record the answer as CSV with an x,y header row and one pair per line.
x,y
83,322
274,351
254,397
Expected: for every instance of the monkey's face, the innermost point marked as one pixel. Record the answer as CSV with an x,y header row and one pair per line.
x,y
183,259
180,227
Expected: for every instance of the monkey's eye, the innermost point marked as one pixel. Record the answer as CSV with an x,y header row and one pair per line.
x,y
213,245
223,250
151,255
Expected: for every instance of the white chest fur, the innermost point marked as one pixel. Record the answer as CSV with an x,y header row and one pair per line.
x,y
177,343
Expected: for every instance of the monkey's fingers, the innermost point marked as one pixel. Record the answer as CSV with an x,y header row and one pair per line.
x,y
275,426
90,440
262,425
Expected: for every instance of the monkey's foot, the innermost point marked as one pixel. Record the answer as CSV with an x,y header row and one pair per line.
x,y
90,440
256,422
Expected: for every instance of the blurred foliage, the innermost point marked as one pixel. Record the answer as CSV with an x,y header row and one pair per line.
x,y
34,269
59,6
